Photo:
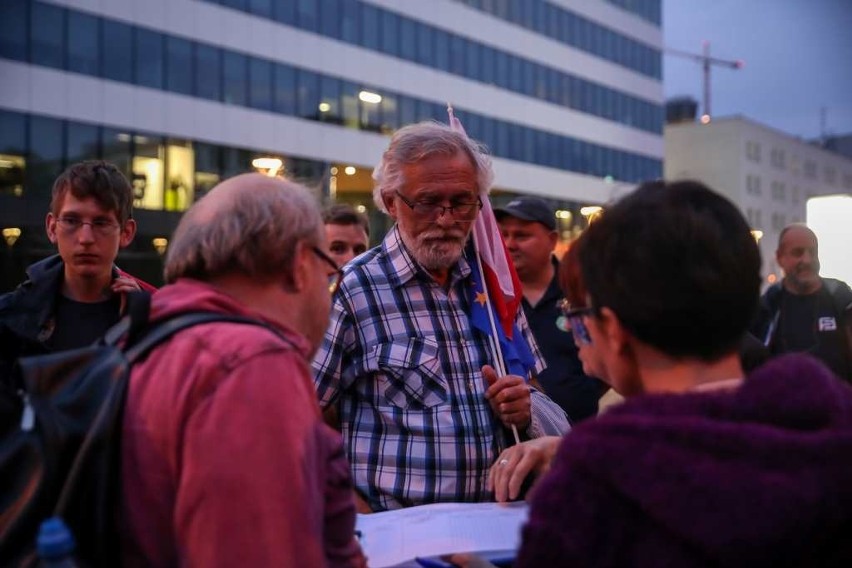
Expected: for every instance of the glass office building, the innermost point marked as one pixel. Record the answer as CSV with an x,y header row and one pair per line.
x,y
182,93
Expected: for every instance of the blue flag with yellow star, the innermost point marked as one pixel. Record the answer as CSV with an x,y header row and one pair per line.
x,y
516,352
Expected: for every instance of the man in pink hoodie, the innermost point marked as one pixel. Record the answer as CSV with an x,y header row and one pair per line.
x,y
226,460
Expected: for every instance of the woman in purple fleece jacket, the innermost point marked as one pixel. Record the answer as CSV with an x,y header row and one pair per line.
x,y
698,467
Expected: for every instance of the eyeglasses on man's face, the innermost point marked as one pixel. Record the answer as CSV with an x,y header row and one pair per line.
x,y
334,277
571,319
103,227
461,209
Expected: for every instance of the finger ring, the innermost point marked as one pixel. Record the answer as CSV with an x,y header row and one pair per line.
x,y
504,461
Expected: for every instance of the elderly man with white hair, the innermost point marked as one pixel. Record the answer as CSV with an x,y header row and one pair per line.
x,y
423,414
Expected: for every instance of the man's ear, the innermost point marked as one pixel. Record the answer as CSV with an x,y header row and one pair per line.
x,y
50,227
390,204
128,232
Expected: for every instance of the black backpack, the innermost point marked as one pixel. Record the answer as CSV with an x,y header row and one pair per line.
x,y
61,455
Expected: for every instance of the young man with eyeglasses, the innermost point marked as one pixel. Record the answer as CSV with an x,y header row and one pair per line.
x,y
422,414
70,299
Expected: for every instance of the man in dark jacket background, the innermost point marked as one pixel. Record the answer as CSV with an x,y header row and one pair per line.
x,y
70,299
806,312
528,225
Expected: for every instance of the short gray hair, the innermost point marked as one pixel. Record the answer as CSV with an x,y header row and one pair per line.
x,y
249,224
417,142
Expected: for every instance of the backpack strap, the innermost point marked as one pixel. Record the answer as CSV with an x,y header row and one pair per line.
x,y
162,331
159,332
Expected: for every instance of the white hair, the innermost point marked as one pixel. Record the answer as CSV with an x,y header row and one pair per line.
x,y
419,141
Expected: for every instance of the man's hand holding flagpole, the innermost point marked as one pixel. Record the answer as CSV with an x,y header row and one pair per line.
x,y
497,289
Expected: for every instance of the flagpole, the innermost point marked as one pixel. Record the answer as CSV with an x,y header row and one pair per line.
x,y
493,343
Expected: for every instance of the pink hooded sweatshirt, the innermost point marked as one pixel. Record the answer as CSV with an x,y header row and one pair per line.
x,y
225,458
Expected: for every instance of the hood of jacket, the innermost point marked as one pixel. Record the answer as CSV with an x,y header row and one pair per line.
x,y
189,295
736,476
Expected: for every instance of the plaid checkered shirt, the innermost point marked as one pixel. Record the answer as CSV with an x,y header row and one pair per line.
x,y
403,364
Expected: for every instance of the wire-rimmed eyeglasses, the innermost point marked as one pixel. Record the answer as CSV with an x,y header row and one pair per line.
x,y
571,319
462,210
102,227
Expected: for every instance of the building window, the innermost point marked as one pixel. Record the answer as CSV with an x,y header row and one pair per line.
x,y
180,163
260,84
148,172
82,142
208,167
235,78
329,18
753,151
47,32
44,161
118,149
13,152
260,7
208,72
117,57
779,191
179,65
13,29
329,105
350,105
83,43
307,103
350,25
777,158
753,185
284,101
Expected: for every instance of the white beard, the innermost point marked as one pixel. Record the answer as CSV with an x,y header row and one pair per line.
x,y
437,248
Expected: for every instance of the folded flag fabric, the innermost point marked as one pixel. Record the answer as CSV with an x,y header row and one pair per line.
x,y
517,355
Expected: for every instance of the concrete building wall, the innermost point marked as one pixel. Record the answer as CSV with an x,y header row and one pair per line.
x,y
768,174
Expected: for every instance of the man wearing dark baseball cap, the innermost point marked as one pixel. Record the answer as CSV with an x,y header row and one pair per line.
x,y
529,208
528,225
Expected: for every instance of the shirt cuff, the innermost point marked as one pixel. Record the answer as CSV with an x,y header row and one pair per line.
x,y
546,417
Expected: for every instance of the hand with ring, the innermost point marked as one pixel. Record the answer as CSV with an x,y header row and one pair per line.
x,y
515,463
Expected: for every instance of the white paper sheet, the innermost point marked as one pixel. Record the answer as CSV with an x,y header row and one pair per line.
x,y
395,537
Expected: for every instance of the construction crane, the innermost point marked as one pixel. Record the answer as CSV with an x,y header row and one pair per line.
x,y
706,61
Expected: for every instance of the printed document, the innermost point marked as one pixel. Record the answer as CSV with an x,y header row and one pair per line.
x,y
393,538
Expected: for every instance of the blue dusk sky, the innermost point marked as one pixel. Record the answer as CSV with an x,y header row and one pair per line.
x,y
797,54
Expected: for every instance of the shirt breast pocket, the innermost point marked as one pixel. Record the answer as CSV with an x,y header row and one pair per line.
x,y
409,372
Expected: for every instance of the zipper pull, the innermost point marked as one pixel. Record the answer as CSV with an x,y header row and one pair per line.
x,y
28,416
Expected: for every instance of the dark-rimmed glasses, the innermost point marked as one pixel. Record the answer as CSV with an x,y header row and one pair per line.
x,y
333,278
102,227
461,210
571,319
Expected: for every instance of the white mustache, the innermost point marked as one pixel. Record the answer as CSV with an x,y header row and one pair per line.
x,y
443,235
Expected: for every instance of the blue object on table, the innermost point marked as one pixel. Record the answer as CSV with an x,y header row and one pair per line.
x,y
433,563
